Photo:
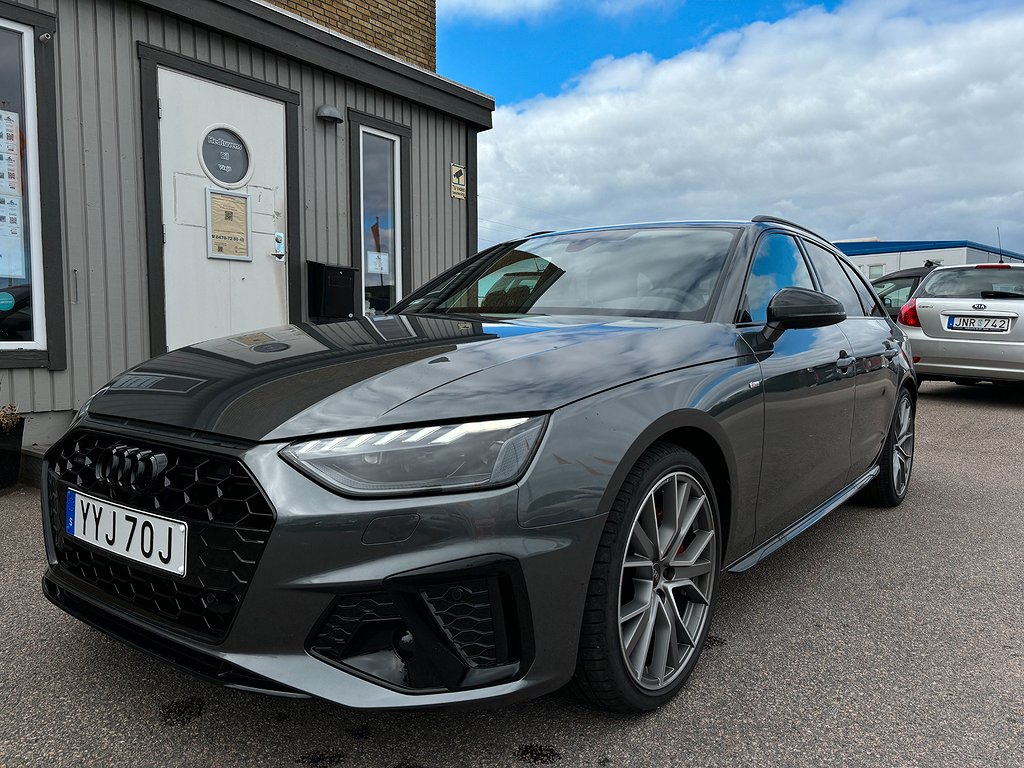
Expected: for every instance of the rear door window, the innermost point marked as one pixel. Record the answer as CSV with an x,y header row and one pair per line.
x,y
833,279
867,297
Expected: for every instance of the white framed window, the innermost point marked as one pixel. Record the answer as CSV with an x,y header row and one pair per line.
x,y
380,219
22,316
875,271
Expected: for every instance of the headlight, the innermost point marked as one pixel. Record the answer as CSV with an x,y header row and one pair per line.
x,y
451,457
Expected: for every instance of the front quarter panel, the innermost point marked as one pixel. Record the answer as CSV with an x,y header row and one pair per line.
x,y
591,444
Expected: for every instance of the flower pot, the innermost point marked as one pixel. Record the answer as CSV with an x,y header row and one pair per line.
x,y
10,454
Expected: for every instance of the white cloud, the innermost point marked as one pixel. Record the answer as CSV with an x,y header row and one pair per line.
x,y
509,10
876,119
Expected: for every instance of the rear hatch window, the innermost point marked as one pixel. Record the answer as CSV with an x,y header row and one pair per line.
x,y
974,283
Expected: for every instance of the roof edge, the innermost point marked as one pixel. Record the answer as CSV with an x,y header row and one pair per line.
x,y
257,23
868,248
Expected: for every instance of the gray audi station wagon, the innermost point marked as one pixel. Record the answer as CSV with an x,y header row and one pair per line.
x,y
532,472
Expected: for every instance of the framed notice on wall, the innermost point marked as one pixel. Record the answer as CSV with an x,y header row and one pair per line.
x,y
14,252
228,225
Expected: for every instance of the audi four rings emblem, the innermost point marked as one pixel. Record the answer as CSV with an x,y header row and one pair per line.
x,y
132,470
980,306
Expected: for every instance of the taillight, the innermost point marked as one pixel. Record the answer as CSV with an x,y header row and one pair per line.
x,y
908,314
992,266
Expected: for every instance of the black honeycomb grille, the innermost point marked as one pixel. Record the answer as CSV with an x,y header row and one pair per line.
x,y
465,614
463,611
333,636
229,521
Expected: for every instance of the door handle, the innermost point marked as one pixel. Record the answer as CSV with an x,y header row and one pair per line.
x,y
890,351
845,361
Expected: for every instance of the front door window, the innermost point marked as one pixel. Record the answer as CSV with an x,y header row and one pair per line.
x,y
382,286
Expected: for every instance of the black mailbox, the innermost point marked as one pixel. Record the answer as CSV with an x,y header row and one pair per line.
x,y
331,291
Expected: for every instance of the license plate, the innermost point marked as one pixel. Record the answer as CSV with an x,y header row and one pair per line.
x,y
961,323
140,536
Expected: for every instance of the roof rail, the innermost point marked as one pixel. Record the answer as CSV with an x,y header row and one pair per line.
x,y
763,219
541,232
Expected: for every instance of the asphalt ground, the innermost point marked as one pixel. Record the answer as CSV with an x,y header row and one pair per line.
x,y
880,637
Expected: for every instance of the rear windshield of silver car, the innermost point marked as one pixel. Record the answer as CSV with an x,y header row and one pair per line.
x,y
974,283
656,272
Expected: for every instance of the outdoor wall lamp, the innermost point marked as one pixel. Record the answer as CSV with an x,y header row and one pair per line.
x,y
328,113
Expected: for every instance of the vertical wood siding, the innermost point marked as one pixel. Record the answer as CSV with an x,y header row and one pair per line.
x,y
98,97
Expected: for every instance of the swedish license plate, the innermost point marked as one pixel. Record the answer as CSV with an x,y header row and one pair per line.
x,y
961,323
140,536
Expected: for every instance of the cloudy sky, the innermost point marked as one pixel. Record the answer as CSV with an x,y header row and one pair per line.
x,y
901,119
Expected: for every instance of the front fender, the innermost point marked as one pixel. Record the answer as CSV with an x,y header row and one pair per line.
x,y
592,444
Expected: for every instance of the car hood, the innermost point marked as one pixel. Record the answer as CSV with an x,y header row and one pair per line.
x,y
299,380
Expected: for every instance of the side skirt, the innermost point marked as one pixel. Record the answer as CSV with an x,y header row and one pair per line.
x,y
755,556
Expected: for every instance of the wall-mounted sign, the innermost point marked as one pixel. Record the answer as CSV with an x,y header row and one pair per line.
x,y
13,249
458,181
227,225
225,156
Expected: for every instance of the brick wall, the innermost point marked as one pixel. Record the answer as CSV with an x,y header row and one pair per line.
x,y
403,28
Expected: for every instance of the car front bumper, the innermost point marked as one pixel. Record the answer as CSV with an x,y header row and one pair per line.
x,y
989,359
395,603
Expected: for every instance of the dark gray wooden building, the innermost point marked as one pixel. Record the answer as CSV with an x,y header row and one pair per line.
x,y
175,171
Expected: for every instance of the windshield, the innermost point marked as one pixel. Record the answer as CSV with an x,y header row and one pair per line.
x,y
663,272
974,283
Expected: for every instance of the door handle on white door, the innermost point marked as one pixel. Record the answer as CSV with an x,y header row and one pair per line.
x,y
279,253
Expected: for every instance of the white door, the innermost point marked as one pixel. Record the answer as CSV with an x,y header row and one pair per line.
x,y
223,185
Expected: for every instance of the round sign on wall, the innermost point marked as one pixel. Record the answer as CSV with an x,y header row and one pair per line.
x,y
225,156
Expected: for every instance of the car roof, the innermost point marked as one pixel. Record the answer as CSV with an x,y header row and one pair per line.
x,y
909,272
757,222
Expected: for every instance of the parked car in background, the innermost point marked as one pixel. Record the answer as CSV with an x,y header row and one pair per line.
x,y
965,325
895,288
532,470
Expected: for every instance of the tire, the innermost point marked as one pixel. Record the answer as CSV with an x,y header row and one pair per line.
x,y
679,586
896,461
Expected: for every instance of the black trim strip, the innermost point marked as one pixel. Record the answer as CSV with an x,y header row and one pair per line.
x,y
472,232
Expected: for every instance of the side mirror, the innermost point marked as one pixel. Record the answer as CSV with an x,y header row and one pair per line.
x,y
801,308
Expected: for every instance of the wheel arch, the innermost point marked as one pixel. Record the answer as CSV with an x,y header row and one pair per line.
x,y
701,435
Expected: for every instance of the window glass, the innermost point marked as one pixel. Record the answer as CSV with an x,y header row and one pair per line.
x,y
381,256
656,272
867,299
778,264
895,292
16,273
875,271
974,283
833,279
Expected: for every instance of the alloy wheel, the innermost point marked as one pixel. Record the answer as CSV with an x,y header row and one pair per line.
x,y
903,446
666,580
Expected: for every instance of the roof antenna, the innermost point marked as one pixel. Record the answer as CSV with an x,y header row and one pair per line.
x,y
1000,239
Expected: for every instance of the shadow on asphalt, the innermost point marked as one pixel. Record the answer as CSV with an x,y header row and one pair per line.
x,y
1008,395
